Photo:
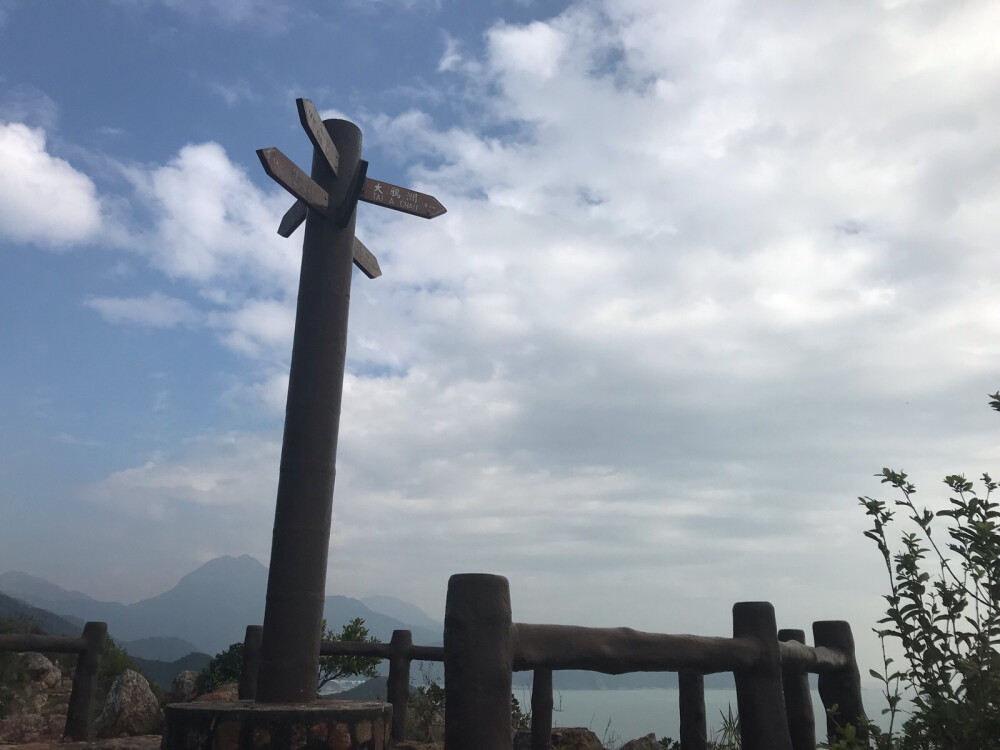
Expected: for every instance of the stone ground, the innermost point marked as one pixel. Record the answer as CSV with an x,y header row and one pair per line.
x,y
144,742
152,742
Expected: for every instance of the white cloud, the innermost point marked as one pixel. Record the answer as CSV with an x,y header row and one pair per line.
x,y
155,310
695,264
258,328
43,199
213,223
214,470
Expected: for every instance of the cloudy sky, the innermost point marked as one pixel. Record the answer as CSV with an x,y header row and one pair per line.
x,y
706,268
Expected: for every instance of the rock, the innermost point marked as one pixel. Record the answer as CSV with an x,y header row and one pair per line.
x,y
42,671
184,688
227,691
131,708
649,742
575,738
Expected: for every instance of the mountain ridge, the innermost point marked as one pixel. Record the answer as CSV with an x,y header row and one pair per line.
x,y
209,608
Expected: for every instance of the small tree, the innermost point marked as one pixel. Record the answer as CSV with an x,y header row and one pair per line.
x,y
225,666
335,667
944,611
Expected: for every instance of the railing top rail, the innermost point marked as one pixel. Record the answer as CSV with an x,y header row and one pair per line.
x,y
380,650
60,644
621,650
814,659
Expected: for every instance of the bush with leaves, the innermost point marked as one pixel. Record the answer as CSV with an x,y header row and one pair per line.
x,y
227,665
944,612
224,667
335,667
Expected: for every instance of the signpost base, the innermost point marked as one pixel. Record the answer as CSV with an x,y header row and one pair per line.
x,y
245,725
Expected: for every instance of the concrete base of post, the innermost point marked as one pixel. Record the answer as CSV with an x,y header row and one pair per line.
x,y
245,725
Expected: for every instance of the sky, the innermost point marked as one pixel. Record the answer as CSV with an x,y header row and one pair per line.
x,y
706,269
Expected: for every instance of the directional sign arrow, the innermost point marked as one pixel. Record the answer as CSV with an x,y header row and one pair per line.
x,y
364,260
281,169
293,218
401,199
316,130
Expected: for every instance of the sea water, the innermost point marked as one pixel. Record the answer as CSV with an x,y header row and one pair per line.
x,y
617,716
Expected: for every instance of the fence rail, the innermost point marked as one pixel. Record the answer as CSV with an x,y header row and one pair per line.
x,y
399,651
89,647
483,646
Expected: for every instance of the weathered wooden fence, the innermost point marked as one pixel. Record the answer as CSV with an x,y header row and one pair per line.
x,y
400,651
482,647
89,646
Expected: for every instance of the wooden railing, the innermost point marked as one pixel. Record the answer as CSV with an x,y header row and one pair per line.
x,y
482,647
89,646
400,652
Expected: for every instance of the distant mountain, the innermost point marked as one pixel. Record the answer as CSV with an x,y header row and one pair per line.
x,y
209,608
341,609
403,611
158,648
164,672
33,589
51,623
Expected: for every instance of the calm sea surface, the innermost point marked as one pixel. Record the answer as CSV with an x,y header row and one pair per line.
x,y
617,716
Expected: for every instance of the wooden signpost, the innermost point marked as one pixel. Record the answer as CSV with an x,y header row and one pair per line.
x,y
326,200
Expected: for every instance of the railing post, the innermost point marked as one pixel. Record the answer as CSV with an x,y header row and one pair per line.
x,y
478,662
798,701
843,687
397,686
758,690
251,662
541,709
78,715
691,706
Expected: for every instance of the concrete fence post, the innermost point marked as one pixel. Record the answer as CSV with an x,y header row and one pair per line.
x,y
397,686
840,691
251,662
80,711
478,663
798,698
541,709
758,690
691,706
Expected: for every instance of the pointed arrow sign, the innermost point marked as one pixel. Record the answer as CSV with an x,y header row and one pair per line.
x,y
401,199
281,169
316,130
293,218
364,259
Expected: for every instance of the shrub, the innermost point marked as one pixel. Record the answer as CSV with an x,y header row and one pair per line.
x,y
335,667
944,612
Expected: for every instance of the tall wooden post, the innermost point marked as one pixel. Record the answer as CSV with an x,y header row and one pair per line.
x,y
798,700
478,663
296,584
841,688
758,690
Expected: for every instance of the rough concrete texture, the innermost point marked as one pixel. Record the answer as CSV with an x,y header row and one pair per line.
x,y
244,725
